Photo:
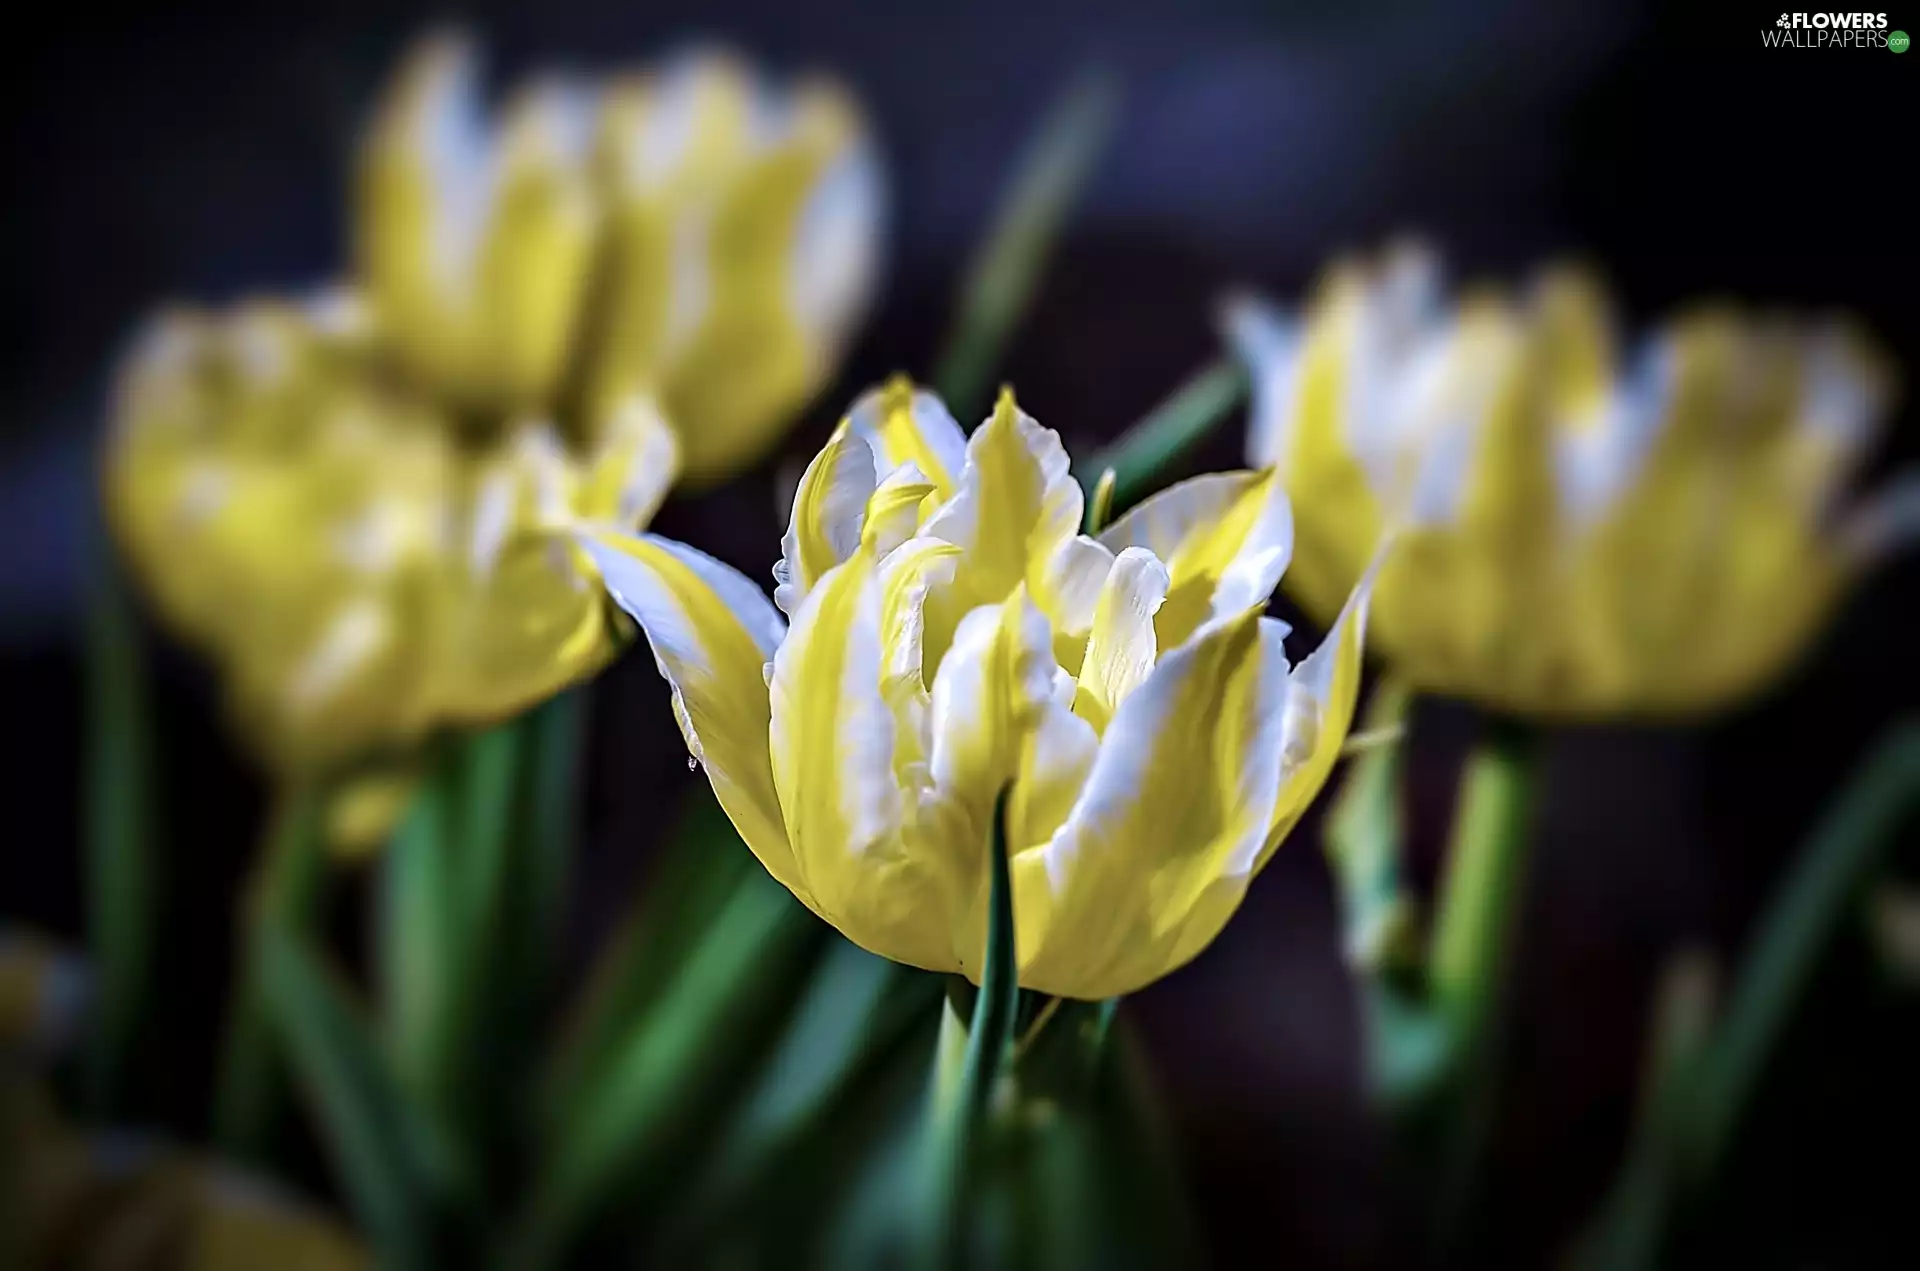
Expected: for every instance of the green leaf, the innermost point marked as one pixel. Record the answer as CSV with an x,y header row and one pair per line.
x,y
551,823
120,828
283,890
386,1156
1808,904
1139,455
964,1095
794,1135
703,864
671,1069
1627,1232
1001,279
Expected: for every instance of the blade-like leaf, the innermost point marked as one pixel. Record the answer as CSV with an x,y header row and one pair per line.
x,y
120,829
1138,456
386,1156
283,890
959,1121
1001,279
672,1068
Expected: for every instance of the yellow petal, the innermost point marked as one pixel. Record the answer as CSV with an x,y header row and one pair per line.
x,y
835,742
990,696
1121,649
1178,802
1016,506
539,241
893,513
631,468
904,425
1226,539
712,632
828,506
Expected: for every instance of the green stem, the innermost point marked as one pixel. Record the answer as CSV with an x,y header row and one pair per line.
x,y
1807,906
1480,898
120,830
282,892
1194,409
1001,279
1479,907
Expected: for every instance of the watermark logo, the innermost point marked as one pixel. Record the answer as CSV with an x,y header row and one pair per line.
x,y
1832,31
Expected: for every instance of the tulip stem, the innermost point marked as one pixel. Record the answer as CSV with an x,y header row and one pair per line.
x,y
281,893
1000,280
119,827
1194,409
1479,907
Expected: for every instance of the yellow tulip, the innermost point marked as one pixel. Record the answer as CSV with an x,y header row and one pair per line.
x,y
691,234
952,633
1571,538
359,571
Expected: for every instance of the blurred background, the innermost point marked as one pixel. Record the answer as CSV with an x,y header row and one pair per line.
x,y
205,151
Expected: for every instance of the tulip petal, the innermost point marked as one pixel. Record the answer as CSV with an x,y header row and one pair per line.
x,y
712,632
990,697
1015,508
1121,649
827,509
1179,800
632,468
1226,539
1322,693
835,739
908,426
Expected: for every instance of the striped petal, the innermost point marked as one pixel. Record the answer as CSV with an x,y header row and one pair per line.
x,y
990,696
712,632
1015,508
631,469
1121,649
1177,807
904,426
828,507
1226,539
835,739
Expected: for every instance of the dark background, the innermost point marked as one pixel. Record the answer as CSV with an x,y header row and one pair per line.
x,y
203,151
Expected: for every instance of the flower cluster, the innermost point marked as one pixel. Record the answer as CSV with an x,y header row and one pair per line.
x,y
361,505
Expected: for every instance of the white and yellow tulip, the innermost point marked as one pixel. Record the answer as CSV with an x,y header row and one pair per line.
x,y
1571,537
953,634
359,572
693,233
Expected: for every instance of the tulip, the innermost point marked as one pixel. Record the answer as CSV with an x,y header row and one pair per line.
x,y
358,572
689,234
953,635
1573,539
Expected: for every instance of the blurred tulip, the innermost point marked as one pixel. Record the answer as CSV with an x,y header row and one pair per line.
x,y
691,233
1571,538
952,632
359,572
